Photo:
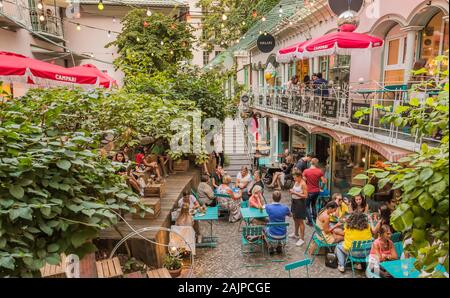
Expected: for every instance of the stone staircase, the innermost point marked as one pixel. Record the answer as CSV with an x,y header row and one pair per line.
x,y
234,146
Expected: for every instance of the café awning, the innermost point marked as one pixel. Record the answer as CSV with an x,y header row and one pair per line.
x,y
89,69
289,53
18,68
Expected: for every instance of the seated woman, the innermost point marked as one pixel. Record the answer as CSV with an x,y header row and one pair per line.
x,y
331,233
243,179
189,199
256,200
278,178
131,179
356,229
163,159
383,218
342,209
383,249
358,204
150,162
185,219
233,202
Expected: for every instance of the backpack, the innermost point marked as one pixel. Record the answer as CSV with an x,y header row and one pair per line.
x,y
331,260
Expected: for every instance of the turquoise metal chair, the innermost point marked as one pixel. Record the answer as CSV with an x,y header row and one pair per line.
x,y
298,264
252,232
195,194
399,248
276,242
396,237
244,204
319,240
362,248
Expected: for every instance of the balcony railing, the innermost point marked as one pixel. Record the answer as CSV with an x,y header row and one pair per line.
x,y
47,25
334,107
12,14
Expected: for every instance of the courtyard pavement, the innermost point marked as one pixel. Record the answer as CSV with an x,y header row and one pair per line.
x,y
226,260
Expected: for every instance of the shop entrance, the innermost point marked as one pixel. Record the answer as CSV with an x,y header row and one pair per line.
x,y
283,137
322,149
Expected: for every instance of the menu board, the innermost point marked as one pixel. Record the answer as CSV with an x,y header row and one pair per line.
x,y
329,108
355,107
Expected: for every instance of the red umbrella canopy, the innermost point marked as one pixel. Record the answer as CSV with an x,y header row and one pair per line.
x,y
15,66
104,79
288,53
342,43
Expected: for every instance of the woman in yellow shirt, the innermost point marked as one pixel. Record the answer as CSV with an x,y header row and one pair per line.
x,y
357,229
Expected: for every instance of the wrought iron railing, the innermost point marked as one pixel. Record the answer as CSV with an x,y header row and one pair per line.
x,y
15,10
334,106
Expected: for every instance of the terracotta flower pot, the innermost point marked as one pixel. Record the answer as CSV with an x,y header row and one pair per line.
x,y
175,273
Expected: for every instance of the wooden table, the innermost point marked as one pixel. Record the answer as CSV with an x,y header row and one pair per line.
x,y
211,214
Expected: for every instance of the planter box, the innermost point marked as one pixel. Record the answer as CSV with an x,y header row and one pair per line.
x,y
154,190
181,165
152,203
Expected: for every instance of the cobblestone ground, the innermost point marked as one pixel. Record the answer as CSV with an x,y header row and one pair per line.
x,y
227,260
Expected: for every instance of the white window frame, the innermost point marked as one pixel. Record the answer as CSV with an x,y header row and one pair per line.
x,y
401,50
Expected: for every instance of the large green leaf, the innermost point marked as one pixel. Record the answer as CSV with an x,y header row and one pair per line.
x,y
368,190
63,164
425,174
81,236
16,191
426,201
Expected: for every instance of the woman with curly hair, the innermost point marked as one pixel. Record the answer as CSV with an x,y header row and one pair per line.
x,y
356,229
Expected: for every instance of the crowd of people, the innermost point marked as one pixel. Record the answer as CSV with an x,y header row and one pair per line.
x,y
315,83
341,221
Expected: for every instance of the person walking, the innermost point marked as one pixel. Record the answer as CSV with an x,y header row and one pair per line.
x,y
313,176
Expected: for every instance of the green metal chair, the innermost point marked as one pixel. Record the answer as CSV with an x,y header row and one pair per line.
x,y
252,232
362,248
195,194
396,237
276,242
399,248
302,263
319,240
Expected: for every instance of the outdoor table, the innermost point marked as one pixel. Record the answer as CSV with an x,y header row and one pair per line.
x,y
251,212
211,214
404,268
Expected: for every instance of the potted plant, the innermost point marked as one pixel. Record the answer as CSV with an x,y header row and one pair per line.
x,y
181,161
173,263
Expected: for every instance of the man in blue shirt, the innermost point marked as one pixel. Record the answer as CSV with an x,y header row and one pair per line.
x,y
277,213
320,85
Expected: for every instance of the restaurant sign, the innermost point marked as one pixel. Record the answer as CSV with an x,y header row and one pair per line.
x,y
265,43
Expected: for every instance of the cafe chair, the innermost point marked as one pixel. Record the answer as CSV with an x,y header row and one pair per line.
x,y
319,240
252,237
362,249
270,242
298,264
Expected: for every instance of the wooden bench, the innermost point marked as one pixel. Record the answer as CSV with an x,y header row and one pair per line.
x,y
159,273
55,271
136,274
109,268
152,203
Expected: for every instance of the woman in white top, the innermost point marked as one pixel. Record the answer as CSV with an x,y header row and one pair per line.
x,y
243,179
299,194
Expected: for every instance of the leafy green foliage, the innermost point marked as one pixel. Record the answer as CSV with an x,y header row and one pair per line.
x,y
56,192
149,44
422,177
239,19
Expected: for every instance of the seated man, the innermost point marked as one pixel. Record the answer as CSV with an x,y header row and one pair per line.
x,y
188,198
277,213
205,192
279,177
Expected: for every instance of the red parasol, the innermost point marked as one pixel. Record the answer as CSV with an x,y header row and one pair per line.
x,y
341,43
15,67
89,69
289,53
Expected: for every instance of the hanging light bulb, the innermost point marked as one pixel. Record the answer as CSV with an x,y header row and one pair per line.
x,y
149,12
138,39
92,55
171,52
77,15
260,32
100,5
224,17
281,9
265,33
109,34
243,23
222,25
263,19
78,27
162,42
114,19
39,6
290,23
280,15
41,18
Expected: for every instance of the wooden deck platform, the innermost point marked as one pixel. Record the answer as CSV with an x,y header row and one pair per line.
x,y
175,185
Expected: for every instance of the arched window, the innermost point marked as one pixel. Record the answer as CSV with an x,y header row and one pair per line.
x,y
394,57
434,39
